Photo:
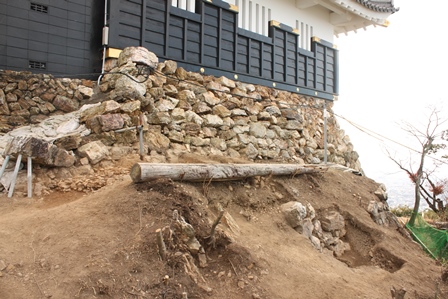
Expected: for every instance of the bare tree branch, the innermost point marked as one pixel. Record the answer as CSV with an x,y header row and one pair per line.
x,y
427,140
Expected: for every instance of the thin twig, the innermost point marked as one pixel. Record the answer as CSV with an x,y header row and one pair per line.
x,y
205,186
233,267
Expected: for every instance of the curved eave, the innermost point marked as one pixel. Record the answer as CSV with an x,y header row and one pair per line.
x,y
360,14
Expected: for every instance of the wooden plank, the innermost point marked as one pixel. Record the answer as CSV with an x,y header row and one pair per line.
x,y
142,172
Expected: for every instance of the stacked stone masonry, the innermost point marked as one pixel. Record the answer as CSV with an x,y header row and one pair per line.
x,y
180,112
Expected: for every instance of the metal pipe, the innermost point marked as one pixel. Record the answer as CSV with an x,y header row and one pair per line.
x,y
325,132
105,13
127,129
5,163
140,128
30,177
105,41
14,176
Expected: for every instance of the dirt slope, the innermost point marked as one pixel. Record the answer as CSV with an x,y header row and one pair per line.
x,y
103,244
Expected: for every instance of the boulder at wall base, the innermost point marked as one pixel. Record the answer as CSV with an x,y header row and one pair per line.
x,y
41,151
95,151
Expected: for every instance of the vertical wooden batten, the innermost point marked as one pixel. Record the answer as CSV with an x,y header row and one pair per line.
x,y
143,24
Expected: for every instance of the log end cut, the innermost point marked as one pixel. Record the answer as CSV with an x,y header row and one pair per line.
x,y
136,173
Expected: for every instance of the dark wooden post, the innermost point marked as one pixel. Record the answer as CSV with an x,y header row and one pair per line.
x,y
143,23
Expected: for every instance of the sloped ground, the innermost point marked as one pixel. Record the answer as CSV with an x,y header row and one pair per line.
x,y
103,244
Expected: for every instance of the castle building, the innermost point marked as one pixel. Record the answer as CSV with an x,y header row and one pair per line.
x,y
286,44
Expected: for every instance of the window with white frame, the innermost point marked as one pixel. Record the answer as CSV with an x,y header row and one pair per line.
x,y
184,4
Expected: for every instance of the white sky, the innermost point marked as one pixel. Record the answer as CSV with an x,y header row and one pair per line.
x,y
390,75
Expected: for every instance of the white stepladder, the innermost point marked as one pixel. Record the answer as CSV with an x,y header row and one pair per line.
x,y
16,171
5,162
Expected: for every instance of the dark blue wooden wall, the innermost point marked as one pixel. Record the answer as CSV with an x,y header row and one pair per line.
x,y
210,39
51,36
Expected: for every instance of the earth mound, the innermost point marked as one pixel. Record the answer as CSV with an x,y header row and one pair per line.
x,y
103,244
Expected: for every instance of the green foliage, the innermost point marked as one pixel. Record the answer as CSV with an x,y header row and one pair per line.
x,y
402,211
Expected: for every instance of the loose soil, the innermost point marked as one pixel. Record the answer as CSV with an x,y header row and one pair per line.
x,y
103,244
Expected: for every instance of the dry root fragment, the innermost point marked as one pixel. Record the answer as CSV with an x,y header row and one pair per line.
x,y
212,241
161,244
185,233
191,269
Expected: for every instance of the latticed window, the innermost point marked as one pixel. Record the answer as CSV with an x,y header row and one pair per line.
x,y
39,7
37,65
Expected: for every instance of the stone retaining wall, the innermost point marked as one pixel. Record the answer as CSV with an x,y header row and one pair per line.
x,y
27,98
180,112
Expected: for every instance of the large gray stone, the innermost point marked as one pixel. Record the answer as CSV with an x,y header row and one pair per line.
x,y
332,221
294,213
138,55
126,88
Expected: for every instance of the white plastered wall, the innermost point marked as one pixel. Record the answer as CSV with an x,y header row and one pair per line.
x,y
254,15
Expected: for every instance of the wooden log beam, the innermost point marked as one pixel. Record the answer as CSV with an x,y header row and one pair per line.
x,y
142,172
